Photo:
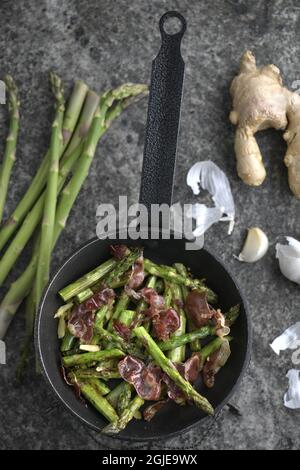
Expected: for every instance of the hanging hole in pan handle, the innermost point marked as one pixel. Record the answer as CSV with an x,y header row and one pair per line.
x,y
172,24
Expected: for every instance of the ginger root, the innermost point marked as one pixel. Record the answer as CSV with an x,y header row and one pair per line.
x,y
260,101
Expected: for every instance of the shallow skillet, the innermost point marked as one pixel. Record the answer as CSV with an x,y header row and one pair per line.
x,y
156,187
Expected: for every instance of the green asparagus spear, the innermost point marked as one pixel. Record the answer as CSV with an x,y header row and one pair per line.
x,y
121,305
99,386
86,374
47,229
124,399
181,269
101,315
127,317
99,402
232,315
125,418
177,341
127,347
87,280
68,342
168,294
84,295
168,367
114,395
11,141
211,347
90,357
178,354
172,276
123,266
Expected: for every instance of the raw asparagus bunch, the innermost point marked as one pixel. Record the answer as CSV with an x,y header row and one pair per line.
x,y
122,98
39,181
34,217
11,140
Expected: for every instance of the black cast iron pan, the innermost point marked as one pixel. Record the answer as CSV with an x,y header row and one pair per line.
x,y
156,187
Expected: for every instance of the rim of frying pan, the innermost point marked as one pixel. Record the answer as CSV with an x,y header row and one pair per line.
x,y
152,438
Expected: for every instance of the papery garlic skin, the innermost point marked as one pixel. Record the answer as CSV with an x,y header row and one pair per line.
x,y
289,259
292,396
255,247
289,339
204,216
208,176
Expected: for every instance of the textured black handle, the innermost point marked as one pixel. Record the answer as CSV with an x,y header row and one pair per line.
x,y
163,118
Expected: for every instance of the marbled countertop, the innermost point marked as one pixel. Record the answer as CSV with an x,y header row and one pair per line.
x,y
106,43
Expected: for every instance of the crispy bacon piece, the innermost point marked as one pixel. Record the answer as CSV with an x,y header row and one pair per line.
x,y
217,360
137,275
130,368
118,251
148,383
81,325
190,368
219,321
150,296
198,309
151,410
123,330
165,323
145,379
81,320
174,392
102,297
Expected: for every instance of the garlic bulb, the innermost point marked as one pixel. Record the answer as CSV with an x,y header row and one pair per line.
x,y
255,246
289,259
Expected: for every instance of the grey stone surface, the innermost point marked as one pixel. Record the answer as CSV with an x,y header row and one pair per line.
x,y
106,43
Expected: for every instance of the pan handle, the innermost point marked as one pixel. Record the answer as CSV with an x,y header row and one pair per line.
x,y
163,117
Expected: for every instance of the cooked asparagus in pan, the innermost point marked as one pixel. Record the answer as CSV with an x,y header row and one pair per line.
x,y
155,328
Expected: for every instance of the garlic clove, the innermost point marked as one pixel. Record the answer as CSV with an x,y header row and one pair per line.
x,y
289,259
255,246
